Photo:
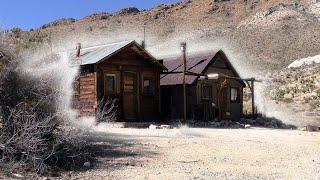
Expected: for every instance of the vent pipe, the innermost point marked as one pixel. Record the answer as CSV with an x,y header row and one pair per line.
x,y
143,43
78,49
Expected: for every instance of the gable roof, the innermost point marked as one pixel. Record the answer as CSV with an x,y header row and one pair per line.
x,y
196,63
96,54
174,64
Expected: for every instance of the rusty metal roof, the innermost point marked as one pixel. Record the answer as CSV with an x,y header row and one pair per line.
x,y
195,63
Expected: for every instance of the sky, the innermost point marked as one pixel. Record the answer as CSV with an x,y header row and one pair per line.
x,y
31,14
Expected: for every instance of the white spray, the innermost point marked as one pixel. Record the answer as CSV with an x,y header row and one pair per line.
x,y
55,67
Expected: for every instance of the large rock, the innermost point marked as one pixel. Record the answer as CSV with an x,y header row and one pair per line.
x,y
288,96
128,11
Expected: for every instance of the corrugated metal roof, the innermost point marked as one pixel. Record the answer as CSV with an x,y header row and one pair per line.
x,y
95,54
174,64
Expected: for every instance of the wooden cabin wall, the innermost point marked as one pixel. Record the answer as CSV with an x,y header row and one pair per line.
x,y
150,109
220,66
236,108
148,105
86,96
172,101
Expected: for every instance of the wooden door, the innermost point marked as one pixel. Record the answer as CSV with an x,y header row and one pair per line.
x,y
130,107
207,102
223,99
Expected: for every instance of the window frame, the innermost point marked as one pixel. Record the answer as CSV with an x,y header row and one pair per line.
x,y
203,93
237,100
151,89
114,84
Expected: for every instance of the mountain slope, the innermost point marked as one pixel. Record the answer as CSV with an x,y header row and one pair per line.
x,y
269,32
259,36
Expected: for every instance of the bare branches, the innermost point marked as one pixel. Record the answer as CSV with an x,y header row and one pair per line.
x,y
31,135
107,111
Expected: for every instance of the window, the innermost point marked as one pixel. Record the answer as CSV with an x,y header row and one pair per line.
x,y
207,92
110,84
147,86
235,95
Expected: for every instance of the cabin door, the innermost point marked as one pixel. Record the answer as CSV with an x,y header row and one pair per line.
x,y
223,99
224,103
130,107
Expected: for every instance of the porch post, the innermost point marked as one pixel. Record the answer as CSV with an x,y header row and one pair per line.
x,y
183,48
253,103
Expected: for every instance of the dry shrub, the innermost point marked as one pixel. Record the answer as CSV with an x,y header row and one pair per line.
x,y
31,135
107,111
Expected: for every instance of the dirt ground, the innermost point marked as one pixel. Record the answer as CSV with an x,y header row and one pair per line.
x,y
187,153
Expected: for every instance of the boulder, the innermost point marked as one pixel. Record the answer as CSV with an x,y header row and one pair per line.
x,y
87,164
247,126
152,126
128,11
166,127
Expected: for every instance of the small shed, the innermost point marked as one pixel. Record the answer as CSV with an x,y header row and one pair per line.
x,y
124,71
206,98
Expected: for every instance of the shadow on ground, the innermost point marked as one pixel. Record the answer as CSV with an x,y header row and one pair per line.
x,y
245,122
271,122
112,151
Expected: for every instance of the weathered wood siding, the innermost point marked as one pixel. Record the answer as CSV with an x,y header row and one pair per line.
x,y
86,95
220,66
129,61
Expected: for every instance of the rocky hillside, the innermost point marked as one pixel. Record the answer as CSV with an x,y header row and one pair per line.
x,y
255,32
298,88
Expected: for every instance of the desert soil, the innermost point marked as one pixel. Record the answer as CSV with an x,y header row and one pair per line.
x,y
187,153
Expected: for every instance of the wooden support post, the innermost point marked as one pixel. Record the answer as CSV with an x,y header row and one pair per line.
x,y
183,48
253,103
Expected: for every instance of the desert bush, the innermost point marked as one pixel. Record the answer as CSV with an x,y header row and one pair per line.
x,y
28,118
106,111
279,95
318,94
31,134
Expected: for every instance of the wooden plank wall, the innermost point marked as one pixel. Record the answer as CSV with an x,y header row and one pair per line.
x,y
86,101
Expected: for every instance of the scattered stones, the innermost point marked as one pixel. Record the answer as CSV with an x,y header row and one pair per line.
x,y
128,11
152,126
87,164
166,127
16,175
299,87
219,124
311,128
98,16
288,96
60,22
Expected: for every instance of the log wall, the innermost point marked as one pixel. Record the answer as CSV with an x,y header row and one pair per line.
x,y
86,99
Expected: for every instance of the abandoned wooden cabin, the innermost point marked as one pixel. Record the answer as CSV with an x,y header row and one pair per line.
x,y
124,71
206,98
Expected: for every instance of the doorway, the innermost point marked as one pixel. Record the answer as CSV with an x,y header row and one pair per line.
x,y
130,107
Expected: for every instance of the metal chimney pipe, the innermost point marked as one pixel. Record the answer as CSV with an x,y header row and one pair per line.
x,y
78,49
143,44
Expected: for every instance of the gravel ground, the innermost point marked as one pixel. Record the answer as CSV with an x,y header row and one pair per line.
x,y
206,154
